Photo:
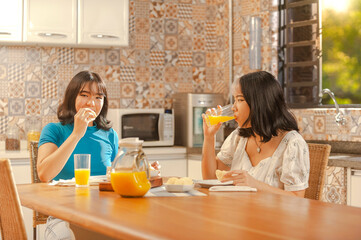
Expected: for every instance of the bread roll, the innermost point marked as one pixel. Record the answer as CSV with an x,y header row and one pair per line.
x,y
220,174
180,181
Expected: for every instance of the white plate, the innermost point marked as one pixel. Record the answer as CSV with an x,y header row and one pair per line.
x,y
212,182
178,188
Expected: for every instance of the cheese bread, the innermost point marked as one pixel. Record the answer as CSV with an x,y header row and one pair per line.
x,y
220,174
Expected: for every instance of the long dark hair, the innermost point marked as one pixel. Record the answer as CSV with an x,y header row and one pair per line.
x,y
269,112
66,110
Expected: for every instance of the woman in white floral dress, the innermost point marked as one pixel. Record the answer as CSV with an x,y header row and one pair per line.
x,y
265,151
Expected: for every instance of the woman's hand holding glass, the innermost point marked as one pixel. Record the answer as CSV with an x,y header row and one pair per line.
x,y
208,129
82,119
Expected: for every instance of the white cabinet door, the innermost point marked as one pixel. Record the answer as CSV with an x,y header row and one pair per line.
x,y
195,166
103,22
11,20
50,21
174,165
355,188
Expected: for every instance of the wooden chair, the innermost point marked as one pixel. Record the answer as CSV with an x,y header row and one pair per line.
x,y
38,218
319,154
12,224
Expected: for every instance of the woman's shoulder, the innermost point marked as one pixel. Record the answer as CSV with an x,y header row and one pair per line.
x,y
110,133
295,138
57,125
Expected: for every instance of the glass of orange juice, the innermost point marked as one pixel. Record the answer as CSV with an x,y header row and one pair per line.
x,y
82,169
219,114
33,135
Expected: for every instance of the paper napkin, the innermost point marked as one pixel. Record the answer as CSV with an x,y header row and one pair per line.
x,y
232,189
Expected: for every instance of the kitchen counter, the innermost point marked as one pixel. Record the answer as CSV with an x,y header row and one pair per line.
x,y
24,153
345,160
165,150
13,155
197,150
336,159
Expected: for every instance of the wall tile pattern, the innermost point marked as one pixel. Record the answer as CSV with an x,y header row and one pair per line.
x,y
242,13
334,190
320,124
172,47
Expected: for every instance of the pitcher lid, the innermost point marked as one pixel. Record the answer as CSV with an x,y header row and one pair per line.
x,y
130,142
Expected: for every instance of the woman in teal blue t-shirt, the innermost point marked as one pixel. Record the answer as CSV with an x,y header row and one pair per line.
x,y
83,128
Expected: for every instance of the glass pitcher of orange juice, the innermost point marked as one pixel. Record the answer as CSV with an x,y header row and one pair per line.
x,y
130,170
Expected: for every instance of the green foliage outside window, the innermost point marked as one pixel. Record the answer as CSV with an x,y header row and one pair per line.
x,y
341,53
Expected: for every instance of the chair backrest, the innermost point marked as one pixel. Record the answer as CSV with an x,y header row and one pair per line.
x,y
38,218
11,217
319,154
33,161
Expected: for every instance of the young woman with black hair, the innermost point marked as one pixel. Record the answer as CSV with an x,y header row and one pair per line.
x,y
265,151
83,128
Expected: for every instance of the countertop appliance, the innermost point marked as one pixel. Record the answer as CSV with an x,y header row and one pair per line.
x,y
155,126
188,109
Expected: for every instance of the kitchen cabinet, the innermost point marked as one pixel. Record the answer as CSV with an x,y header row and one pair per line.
x,y
50,22
195,166
354,187
78,23
11,20
173,160
104,23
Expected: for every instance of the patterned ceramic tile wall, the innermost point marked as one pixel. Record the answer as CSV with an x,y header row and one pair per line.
x,y
334,190
174,46
320,124
267,10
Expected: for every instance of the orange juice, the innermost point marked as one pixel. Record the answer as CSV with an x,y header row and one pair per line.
x,y
33,136
82,177
130,184
213,120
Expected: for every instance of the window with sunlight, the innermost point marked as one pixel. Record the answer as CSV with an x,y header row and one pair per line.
x,y
341,49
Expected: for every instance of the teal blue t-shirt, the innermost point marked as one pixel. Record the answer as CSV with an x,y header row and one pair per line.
x,y
101,144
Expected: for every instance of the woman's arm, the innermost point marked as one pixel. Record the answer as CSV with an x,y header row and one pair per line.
x,y
52,159
210,163
242,178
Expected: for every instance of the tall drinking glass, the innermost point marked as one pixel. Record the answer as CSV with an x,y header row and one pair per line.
x,y
82,169
219,114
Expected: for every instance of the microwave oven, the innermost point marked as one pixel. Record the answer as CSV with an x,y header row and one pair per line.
x,y
154,126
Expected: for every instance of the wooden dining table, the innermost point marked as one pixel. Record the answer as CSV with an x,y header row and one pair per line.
x,y
219,215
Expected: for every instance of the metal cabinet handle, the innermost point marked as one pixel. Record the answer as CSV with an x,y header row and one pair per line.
x,y
356,172
5,33
102,36
52,35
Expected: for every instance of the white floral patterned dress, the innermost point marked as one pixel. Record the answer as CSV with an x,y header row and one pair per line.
x,y
288,168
